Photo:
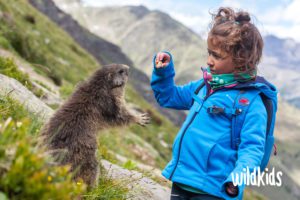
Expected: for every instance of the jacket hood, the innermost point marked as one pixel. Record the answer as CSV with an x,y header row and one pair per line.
x,y
260,83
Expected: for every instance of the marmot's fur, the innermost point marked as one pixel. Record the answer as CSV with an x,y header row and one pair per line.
x,y
95,104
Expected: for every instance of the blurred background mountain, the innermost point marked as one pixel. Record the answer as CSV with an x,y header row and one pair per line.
x,y
89,37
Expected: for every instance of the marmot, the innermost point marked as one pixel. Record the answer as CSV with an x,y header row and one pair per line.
x,y
96,104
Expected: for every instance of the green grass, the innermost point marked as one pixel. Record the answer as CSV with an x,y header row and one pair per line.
x,y
252,195
25,172
9,68
109,188
4,43
44,86
39,41
66,90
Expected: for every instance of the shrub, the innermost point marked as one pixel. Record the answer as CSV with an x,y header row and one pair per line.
x,y
25,172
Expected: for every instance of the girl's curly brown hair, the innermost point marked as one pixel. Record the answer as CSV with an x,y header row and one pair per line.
x,y
236,35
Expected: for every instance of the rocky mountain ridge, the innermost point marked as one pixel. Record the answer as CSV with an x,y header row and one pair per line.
x,y
148,32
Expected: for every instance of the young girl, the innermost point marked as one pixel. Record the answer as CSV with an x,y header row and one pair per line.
x,y
203,158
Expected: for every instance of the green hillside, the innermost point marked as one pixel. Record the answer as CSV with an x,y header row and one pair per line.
x,y
49,49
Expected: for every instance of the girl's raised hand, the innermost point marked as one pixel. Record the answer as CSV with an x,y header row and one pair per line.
x,y
162,60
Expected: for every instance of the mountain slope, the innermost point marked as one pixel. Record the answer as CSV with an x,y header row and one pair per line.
x,y
148,32
287,51
105,52
38,41
280,64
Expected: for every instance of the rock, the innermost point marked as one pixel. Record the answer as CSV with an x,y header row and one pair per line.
x,y
26,68
50,90
48,97
14,89
143,187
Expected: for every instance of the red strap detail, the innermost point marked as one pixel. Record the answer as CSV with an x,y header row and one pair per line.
x,y
275,149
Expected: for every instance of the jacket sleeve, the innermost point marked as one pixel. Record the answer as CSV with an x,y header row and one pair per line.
x,y
167,94
251,149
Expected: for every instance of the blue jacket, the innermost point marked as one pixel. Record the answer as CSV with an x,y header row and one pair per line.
x,y
202,153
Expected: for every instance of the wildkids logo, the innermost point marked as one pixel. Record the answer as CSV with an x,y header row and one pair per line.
x,y
257,177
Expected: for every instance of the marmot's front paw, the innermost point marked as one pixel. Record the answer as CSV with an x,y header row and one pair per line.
x,y
143,119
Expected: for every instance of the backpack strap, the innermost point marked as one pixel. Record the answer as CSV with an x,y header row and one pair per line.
x,y
194,95
241,103
247,96
199,87
270,112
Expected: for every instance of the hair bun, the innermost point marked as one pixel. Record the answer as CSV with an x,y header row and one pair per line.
x,y
242,17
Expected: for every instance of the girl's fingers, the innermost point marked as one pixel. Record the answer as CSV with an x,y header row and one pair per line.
x,y
158,64
162,59
159,56
165,64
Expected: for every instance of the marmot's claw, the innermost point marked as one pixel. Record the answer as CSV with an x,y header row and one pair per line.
x,y
144,119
